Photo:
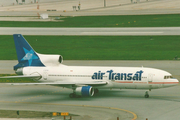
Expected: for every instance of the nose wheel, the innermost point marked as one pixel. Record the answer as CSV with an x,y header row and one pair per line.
x,y
146,94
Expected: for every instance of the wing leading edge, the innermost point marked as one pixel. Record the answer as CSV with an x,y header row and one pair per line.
x,y
22,76
98,82
64,83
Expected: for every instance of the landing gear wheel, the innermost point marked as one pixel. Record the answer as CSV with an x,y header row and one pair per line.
x,y
96,91
146,94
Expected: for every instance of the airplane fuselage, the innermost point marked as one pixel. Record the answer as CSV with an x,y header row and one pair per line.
x,y
116,77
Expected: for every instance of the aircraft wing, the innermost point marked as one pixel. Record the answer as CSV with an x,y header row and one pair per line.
x,y
64,83
88,82
22,76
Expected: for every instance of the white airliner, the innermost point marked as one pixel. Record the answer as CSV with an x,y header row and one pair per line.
x,y
84,80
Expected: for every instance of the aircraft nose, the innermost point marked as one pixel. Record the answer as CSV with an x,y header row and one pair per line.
x,y
175,81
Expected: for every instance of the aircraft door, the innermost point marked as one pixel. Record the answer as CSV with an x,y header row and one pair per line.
x,y
150,78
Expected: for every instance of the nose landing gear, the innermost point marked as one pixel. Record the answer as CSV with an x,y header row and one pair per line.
x,y
146,94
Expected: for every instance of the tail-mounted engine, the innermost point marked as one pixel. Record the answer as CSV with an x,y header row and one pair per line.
x,y
50,60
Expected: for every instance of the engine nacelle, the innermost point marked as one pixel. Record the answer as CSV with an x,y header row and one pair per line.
x,y
85,91
50,60
60,59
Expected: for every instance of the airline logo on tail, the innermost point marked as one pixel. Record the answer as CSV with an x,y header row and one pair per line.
x,y
29,55
25,53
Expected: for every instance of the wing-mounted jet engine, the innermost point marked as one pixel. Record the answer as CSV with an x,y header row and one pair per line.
x,y
82,91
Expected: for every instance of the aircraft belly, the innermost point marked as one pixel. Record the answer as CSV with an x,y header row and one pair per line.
x,y
134,85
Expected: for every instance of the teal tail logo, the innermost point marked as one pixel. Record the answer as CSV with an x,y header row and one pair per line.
x,y
25,53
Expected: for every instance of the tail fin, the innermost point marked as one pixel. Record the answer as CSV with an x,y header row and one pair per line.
x,y
25,53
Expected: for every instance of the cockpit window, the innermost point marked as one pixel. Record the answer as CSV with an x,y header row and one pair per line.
x,y
168,77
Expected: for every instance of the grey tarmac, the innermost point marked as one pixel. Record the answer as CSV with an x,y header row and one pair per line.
x,y
91,31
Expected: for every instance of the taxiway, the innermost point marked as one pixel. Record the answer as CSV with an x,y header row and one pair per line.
x,y
91,31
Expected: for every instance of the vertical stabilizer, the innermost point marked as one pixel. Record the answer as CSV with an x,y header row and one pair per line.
x,y
25,53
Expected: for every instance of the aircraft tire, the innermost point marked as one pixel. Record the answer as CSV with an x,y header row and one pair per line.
x,y
96,91
146,96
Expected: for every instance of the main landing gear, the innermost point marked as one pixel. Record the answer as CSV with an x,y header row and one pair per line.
x,y
146,94
96,91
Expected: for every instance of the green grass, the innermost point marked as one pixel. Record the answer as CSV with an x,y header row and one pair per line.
x,y
168,20
98,47
14,80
